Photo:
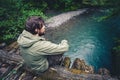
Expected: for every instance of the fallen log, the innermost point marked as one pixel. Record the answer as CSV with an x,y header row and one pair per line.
x,y
4,56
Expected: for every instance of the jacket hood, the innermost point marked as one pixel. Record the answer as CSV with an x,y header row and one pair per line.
x,y
27,39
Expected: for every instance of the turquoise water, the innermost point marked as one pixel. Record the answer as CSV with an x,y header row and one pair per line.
x,y
88,38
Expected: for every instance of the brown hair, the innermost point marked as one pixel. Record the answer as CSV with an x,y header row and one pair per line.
x,y
34,22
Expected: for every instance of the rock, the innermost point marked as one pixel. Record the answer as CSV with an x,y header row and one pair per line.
x,y
3,70
2,45
62,18
103,71
12,48
61,73
26,76
66,62
80,65
48,75
89,69
76,71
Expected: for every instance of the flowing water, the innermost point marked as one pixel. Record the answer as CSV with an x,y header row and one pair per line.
x,y
89,39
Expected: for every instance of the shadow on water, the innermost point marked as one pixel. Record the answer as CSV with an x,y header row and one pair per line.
x,y
89,39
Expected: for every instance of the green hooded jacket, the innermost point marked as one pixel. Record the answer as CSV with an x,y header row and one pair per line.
x,y
35,48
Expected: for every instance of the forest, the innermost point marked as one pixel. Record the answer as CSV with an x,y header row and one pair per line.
x,y
13,13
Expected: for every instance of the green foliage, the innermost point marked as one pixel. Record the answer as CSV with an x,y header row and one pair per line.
x,y
116,48
71,4
63,5
106,14
114,4
97,2
116,57
13,15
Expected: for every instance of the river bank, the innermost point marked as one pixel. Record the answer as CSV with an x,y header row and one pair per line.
x,y
62,18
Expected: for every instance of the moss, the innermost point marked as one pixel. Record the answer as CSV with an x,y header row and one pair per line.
x,y
116,58
79,64
48,75
75,71
66,62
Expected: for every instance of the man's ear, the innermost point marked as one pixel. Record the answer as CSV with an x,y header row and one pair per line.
x,y
36,30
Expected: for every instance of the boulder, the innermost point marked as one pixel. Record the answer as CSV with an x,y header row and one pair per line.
x,y
66,62
80,65
103,71
2,45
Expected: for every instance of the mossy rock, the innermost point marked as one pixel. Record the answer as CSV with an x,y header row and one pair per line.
x,y
50,74
66,63
76,71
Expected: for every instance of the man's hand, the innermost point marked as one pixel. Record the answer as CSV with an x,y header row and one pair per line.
x,y
64,41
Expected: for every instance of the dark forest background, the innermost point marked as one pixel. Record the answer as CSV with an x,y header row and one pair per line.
x,y
13,13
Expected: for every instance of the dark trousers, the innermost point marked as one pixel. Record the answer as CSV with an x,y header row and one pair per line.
x,y
54,60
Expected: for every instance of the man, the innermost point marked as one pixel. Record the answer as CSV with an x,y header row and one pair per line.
x,y
35,49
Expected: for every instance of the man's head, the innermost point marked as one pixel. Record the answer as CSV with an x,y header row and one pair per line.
x,y
35,25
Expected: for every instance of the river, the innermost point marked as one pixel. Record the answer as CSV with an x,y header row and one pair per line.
x,y
89,38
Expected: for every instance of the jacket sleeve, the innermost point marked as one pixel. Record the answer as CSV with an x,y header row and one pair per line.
x,y
49,48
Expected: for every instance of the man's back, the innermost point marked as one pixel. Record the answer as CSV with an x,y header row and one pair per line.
x,y
35,48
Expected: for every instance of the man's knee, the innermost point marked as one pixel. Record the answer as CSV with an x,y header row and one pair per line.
x,y
55,59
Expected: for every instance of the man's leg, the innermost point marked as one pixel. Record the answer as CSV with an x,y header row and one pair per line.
x,y
55,59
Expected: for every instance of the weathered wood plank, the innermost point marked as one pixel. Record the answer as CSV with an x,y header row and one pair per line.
x,y
4,56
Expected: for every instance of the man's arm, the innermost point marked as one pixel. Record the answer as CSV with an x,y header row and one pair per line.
x,y
49,48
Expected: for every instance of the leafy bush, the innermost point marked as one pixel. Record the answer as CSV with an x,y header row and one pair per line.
x,y
13,16
13,13
116,58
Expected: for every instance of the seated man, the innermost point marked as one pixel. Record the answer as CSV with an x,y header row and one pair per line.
x,y
35,49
